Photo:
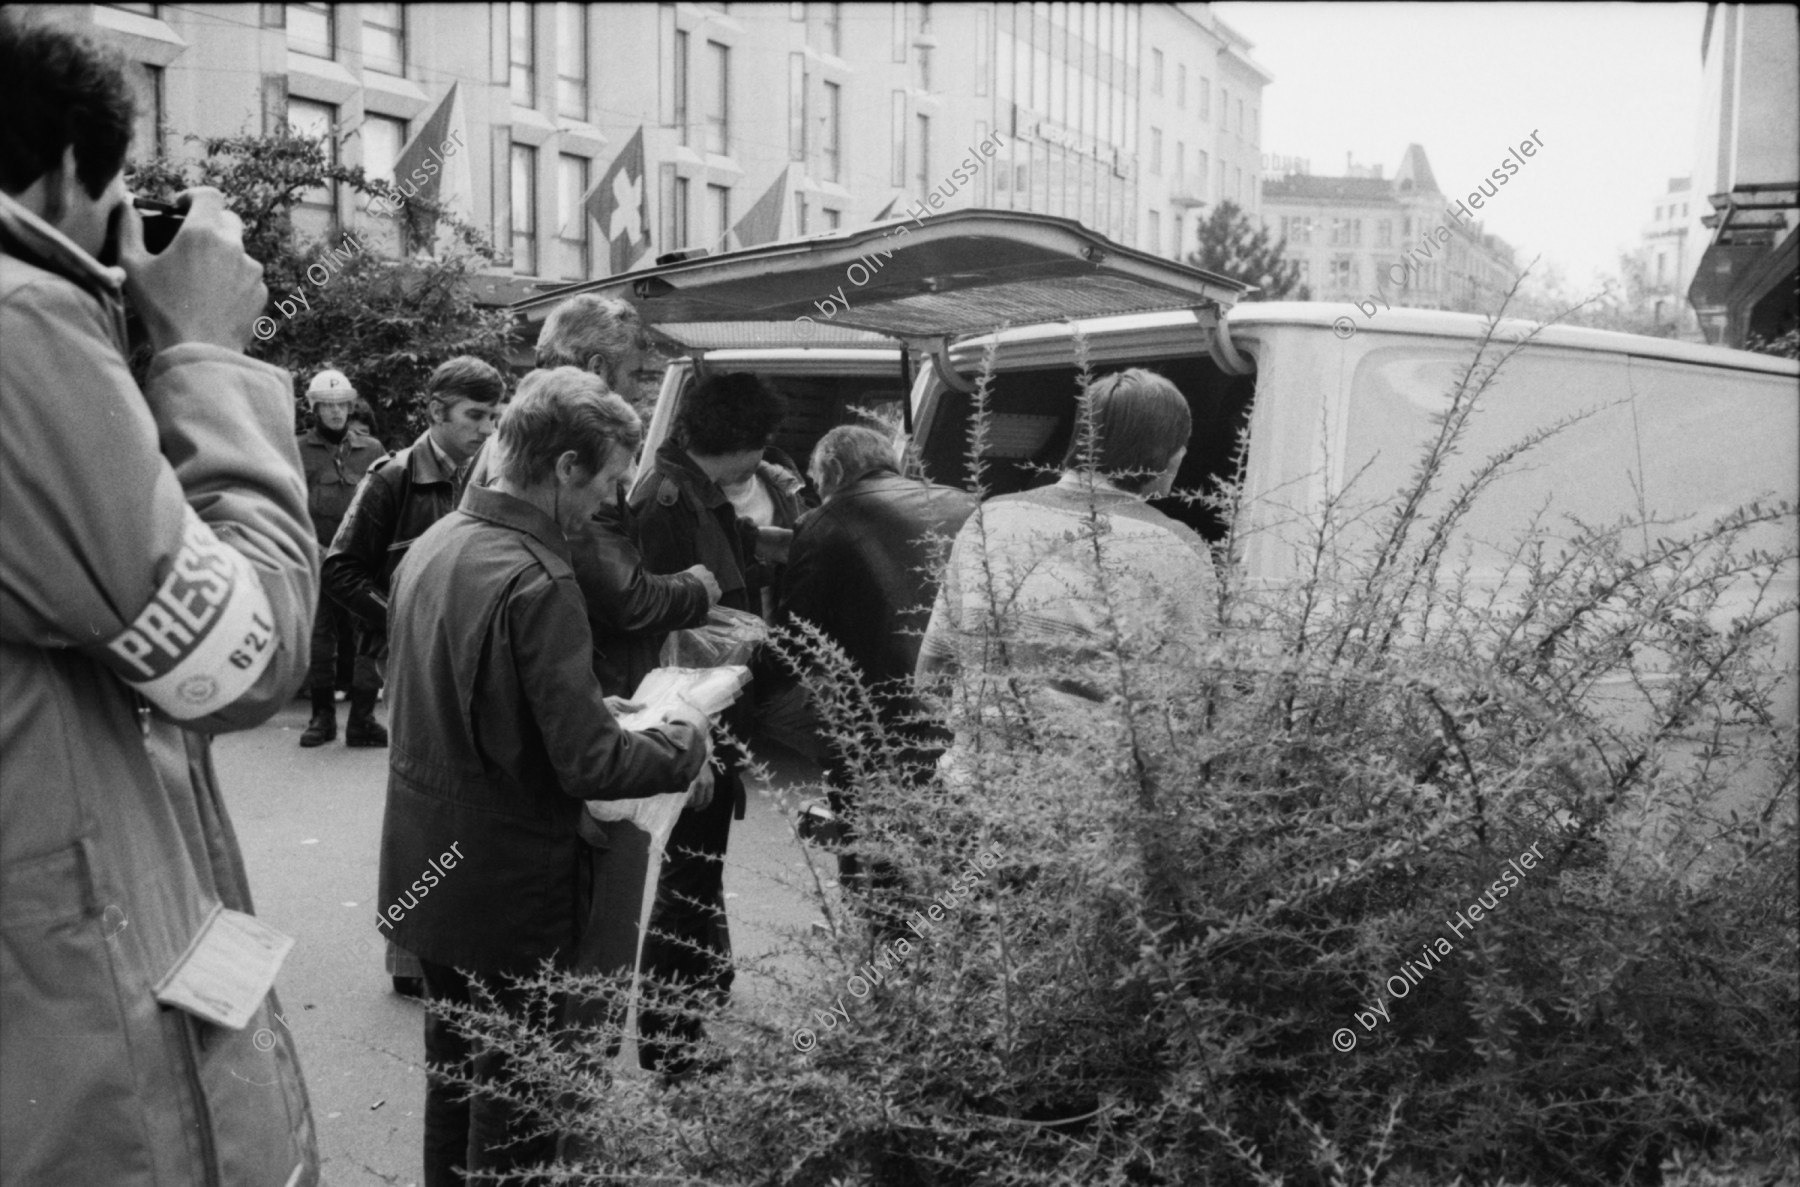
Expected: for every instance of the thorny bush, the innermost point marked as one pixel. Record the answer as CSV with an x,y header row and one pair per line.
x,y
1209,874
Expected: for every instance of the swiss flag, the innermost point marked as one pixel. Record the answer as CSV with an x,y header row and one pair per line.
x,y
621,205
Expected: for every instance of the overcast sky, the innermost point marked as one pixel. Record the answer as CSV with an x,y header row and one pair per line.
x,y
1611,89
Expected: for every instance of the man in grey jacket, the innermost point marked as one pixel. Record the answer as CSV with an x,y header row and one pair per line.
x,y
158,575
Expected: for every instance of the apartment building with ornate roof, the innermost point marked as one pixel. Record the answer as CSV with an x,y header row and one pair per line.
x,y
1353,235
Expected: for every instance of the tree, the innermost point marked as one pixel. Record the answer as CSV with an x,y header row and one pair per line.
x,y
1625,301
384,322
1232,245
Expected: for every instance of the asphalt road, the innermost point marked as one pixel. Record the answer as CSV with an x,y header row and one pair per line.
x,y
309,822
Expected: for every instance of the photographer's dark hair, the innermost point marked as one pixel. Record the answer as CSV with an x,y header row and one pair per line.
x,y
60,88
1140,420
465,377
729,414
557,411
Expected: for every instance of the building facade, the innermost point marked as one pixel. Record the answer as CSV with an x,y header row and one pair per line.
x,y
1744,225
844,111
1364,235
1202,124
1665,258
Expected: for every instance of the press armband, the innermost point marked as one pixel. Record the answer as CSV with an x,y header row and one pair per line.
x,y
206,634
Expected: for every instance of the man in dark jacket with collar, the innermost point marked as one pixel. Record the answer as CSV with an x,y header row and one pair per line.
x,y
630,609
501,730
400,497
863,570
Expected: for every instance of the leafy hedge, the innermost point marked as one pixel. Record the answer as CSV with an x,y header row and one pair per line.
x,y
1208,879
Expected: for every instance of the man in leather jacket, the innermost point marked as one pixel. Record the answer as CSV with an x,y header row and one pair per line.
x,y
863,570
399,498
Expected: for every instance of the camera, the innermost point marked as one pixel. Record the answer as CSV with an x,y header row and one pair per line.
x,y
161,221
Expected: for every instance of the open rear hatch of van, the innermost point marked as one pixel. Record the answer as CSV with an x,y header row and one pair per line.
x,y
923,282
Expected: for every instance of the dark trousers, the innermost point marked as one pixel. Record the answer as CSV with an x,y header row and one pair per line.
x,y
477,1133
687,953
335,641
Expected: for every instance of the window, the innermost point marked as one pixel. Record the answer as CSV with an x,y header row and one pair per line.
x,y
897,132
571,219
924,155
382,140
1346,232
796,107
984,40
311,30
834,110
833,219
1202,172
1406,228
675,210
317,209
1204,94
1343,271
1255,135
572,61
147,129
1156,152
718,104
679,76
1181,86
1153,232
1384,233
719,198
834,29
522,26
384,38
524,208
1237,184
899,11
1176,244
1156,72
1240,130
1180,162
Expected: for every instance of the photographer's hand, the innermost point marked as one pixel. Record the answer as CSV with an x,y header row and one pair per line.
x,y
203,287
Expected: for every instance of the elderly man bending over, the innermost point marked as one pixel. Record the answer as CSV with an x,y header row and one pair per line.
x,y
500,731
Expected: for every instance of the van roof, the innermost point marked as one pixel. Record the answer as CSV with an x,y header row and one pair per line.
x,y
1427,322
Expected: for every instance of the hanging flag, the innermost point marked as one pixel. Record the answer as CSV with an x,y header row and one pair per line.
x,y
887,211
620,204
765,222
434,164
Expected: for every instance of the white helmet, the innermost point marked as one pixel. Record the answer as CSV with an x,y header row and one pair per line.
x,y
330,387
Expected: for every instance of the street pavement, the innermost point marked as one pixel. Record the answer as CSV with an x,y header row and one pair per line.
x,y
309,822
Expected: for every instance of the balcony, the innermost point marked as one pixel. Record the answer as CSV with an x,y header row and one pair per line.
x,y
1187,191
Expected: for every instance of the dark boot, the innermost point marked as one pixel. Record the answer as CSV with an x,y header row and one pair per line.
x,y
323,726
363,729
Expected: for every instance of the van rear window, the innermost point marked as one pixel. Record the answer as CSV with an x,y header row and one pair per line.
x,y
1678,445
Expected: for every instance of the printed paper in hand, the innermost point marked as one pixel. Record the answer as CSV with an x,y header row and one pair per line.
x,y
227,970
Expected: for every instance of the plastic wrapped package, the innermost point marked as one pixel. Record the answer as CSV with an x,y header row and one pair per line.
x,y
638,830
726,637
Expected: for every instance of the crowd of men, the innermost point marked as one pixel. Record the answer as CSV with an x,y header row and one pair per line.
x,y
177,561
